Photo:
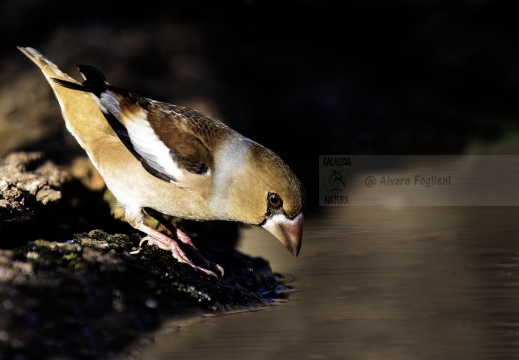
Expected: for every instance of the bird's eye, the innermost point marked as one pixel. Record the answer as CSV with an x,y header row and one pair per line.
x,y
274,200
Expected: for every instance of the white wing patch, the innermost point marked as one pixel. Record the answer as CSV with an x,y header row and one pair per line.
x,y
149,146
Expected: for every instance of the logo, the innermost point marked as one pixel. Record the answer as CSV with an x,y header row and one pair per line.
x,y
336,181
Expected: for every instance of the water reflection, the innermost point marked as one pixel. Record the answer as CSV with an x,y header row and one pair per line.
x,y
378,283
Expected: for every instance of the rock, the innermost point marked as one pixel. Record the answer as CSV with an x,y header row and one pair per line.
x,y
90,298
29,186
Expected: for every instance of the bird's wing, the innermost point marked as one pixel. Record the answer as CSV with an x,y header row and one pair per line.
x,y
163,137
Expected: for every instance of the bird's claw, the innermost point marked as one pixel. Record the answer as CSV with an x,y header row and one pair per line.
x,y
180,256
209,264
218,267
205,271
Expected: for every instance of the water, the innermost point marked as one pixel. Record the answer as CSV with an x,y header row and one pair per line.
x,y
377,283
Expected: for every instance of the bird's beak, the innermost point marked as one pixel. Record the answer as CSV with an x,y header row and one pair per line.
x,y
288,232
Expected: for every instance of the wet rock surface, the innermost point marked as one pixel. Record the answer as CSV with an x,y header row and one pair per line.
x,y
95,294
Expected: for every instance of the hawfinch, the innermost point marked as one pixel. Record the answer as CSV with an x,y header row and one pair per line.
x,y
167,159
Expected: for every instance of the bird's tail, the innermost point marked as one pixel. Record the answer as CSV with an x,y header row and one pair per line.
x,y
49,69
79,108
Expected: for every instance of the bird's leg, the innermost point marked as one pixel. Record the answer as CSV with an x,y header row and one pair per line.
x,y
164,242
184,238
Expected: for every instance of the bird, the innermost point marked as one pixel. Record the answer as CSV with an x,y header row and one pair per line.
x,y
163,159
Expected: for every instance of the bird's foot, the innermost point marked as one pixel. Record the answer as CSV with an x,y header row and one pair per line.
x,y
166,243
177,252
186,240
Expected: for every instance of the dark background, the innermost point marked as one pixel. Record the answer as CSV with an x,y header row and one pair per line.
x,y
303,78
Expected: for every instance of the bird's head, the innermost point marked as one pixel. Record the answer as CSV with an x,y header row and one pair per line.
x,y
267,193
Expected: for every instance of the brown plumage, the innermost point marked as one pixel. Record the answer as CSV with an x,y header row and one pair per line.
x,y
177,161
